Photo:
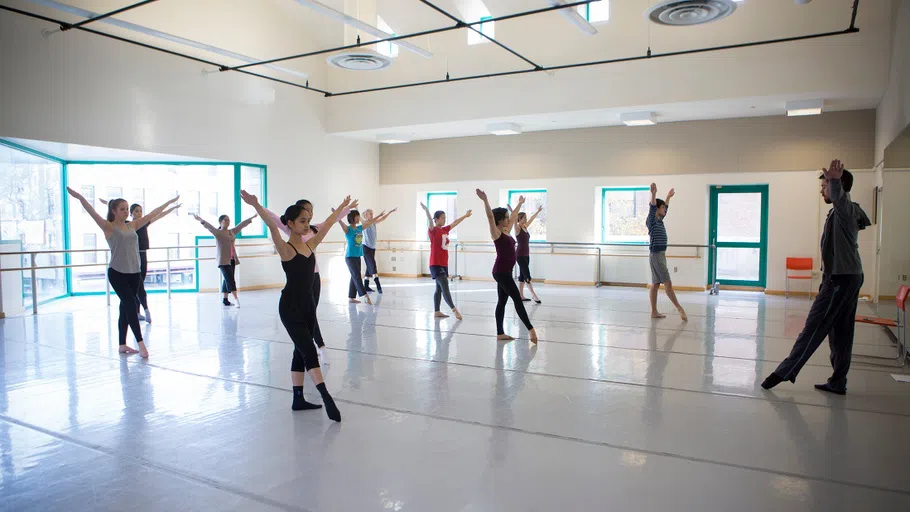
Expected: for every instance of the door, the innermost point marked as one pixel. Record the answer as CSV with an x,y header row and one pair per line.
x,y
738,225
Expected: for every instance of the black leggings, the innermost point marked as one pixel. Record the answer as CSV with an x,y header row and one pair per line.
x,y
369,257
228,284
126,286
356,285
507,289
317,290
141,296
297,320
441,276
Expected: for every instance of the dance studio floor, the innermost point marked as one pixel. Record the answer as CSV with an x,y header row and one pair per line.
x,y
612,411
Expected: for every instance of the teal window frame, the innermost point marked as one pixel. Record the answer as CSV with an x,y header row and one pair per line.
x,y
603,213
65,207
485,21
762,245
527,191
430,194
585,12
64,180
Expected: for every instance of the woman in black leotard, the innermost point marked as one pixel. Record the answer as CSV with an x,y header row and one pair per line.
x,y
296,307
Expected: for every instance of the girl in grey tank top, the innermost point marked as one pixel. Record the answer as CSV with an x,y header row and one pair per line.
x,y
124,270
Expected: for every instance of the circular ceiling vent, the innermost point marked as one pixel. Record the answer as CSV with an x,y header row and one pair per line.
x,y
360,60
678,13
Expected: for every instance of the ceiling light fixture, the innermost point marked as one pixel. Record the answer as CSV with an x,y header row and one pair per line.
x,y
325,10
805,108
504,129
392,138
576,19
638,118
161,35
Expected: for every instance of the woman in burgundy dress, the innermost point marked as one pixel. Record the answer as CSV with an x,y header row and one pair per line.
x,y
500,225
523,252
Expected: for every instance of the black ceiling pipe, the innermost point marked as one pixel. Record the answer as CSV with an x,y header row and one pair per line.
x,y
66,26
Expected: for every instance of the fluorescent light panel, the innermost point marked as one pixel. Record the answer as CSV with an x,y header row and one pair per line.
x,y
393,138
638,118
162,35
504,129
805,108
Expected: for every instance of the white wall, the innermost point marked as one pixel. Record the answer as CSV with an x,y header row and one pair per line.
x,y
84,89
796,218
895,252
893,113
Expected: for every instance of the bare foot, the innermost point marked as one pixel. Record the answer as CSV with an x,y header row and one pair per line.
x,y
504,337
440,314
126,349
457,314
682,315
143,352
533,334
354,301
658,315
370,302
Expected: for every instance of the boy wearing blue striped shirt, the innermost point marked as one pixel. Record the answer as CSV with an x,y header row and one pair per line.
x,y
658,254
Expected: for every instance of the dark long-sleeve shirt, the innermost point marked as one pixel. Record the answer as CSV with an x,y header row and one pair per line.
x,y
656,230
840,246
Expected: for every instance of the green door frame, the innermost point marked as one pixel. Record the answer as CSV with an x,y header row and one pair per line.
x,y
762,245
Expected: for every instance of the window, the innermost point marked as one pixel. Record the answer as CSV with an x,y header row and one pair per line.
x,y
623,216
115,193
445,201
88,192
191,200
595,12
388,48
137,196
252,179
89,241
533,200
488,28
31,196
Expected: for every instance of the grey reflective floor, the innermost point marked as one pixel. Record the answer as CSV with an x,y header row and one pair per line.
x,y
611,411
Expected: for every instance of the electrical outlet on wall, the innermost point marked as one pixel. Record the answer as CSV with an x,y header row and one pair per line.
x,y
904,278
675,269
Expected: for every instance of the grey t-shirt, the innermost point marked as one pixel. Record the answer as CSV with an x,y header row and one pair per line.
x,y
369,237
840,246
124,244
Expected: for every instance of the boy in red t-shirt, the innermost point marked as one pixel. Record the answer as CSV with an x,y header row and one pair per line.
x,y
439,257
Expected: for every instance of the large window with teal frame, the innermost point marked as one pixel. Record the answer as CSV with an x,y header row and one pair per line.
x,y
624,211
207,189
31,217
534,199
446,202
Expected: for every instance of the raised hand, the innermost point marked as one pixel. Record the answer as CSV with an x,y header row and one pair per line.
x,y
654,188
671,193
424,207
75,194
393,210
481,194
521,200
197,217
834,171
539,208
103,201
347,203
467,213
249,199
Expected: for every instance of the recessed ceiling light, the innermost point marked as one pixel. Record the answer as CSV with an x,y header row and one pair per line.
x,y
638,118
504,129
805,108
391,138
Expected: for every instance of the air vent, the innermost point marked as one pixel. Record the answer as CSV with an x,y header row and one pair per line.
x,y
360,61
680,13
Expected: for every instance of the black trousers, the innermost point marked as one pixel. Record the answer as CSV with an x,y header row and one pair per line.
x,y
228,284
317,290
441,276
126,286
296,318
833,314
141,296
507,289
369,258
356,285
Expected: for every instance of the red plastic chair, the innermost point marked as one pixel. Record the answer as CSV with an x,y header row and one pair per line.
x,y
803,264
899,323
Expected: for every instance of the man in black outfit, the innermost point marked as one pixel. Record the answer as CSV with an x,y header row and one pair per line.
x,y
834,311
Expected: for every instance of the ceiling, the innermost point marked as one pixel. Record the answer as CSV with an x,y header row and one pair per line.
x,y
235,32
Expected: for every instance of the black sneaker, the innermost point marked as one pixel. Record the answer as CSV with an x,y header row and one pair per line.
x,y
226,302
